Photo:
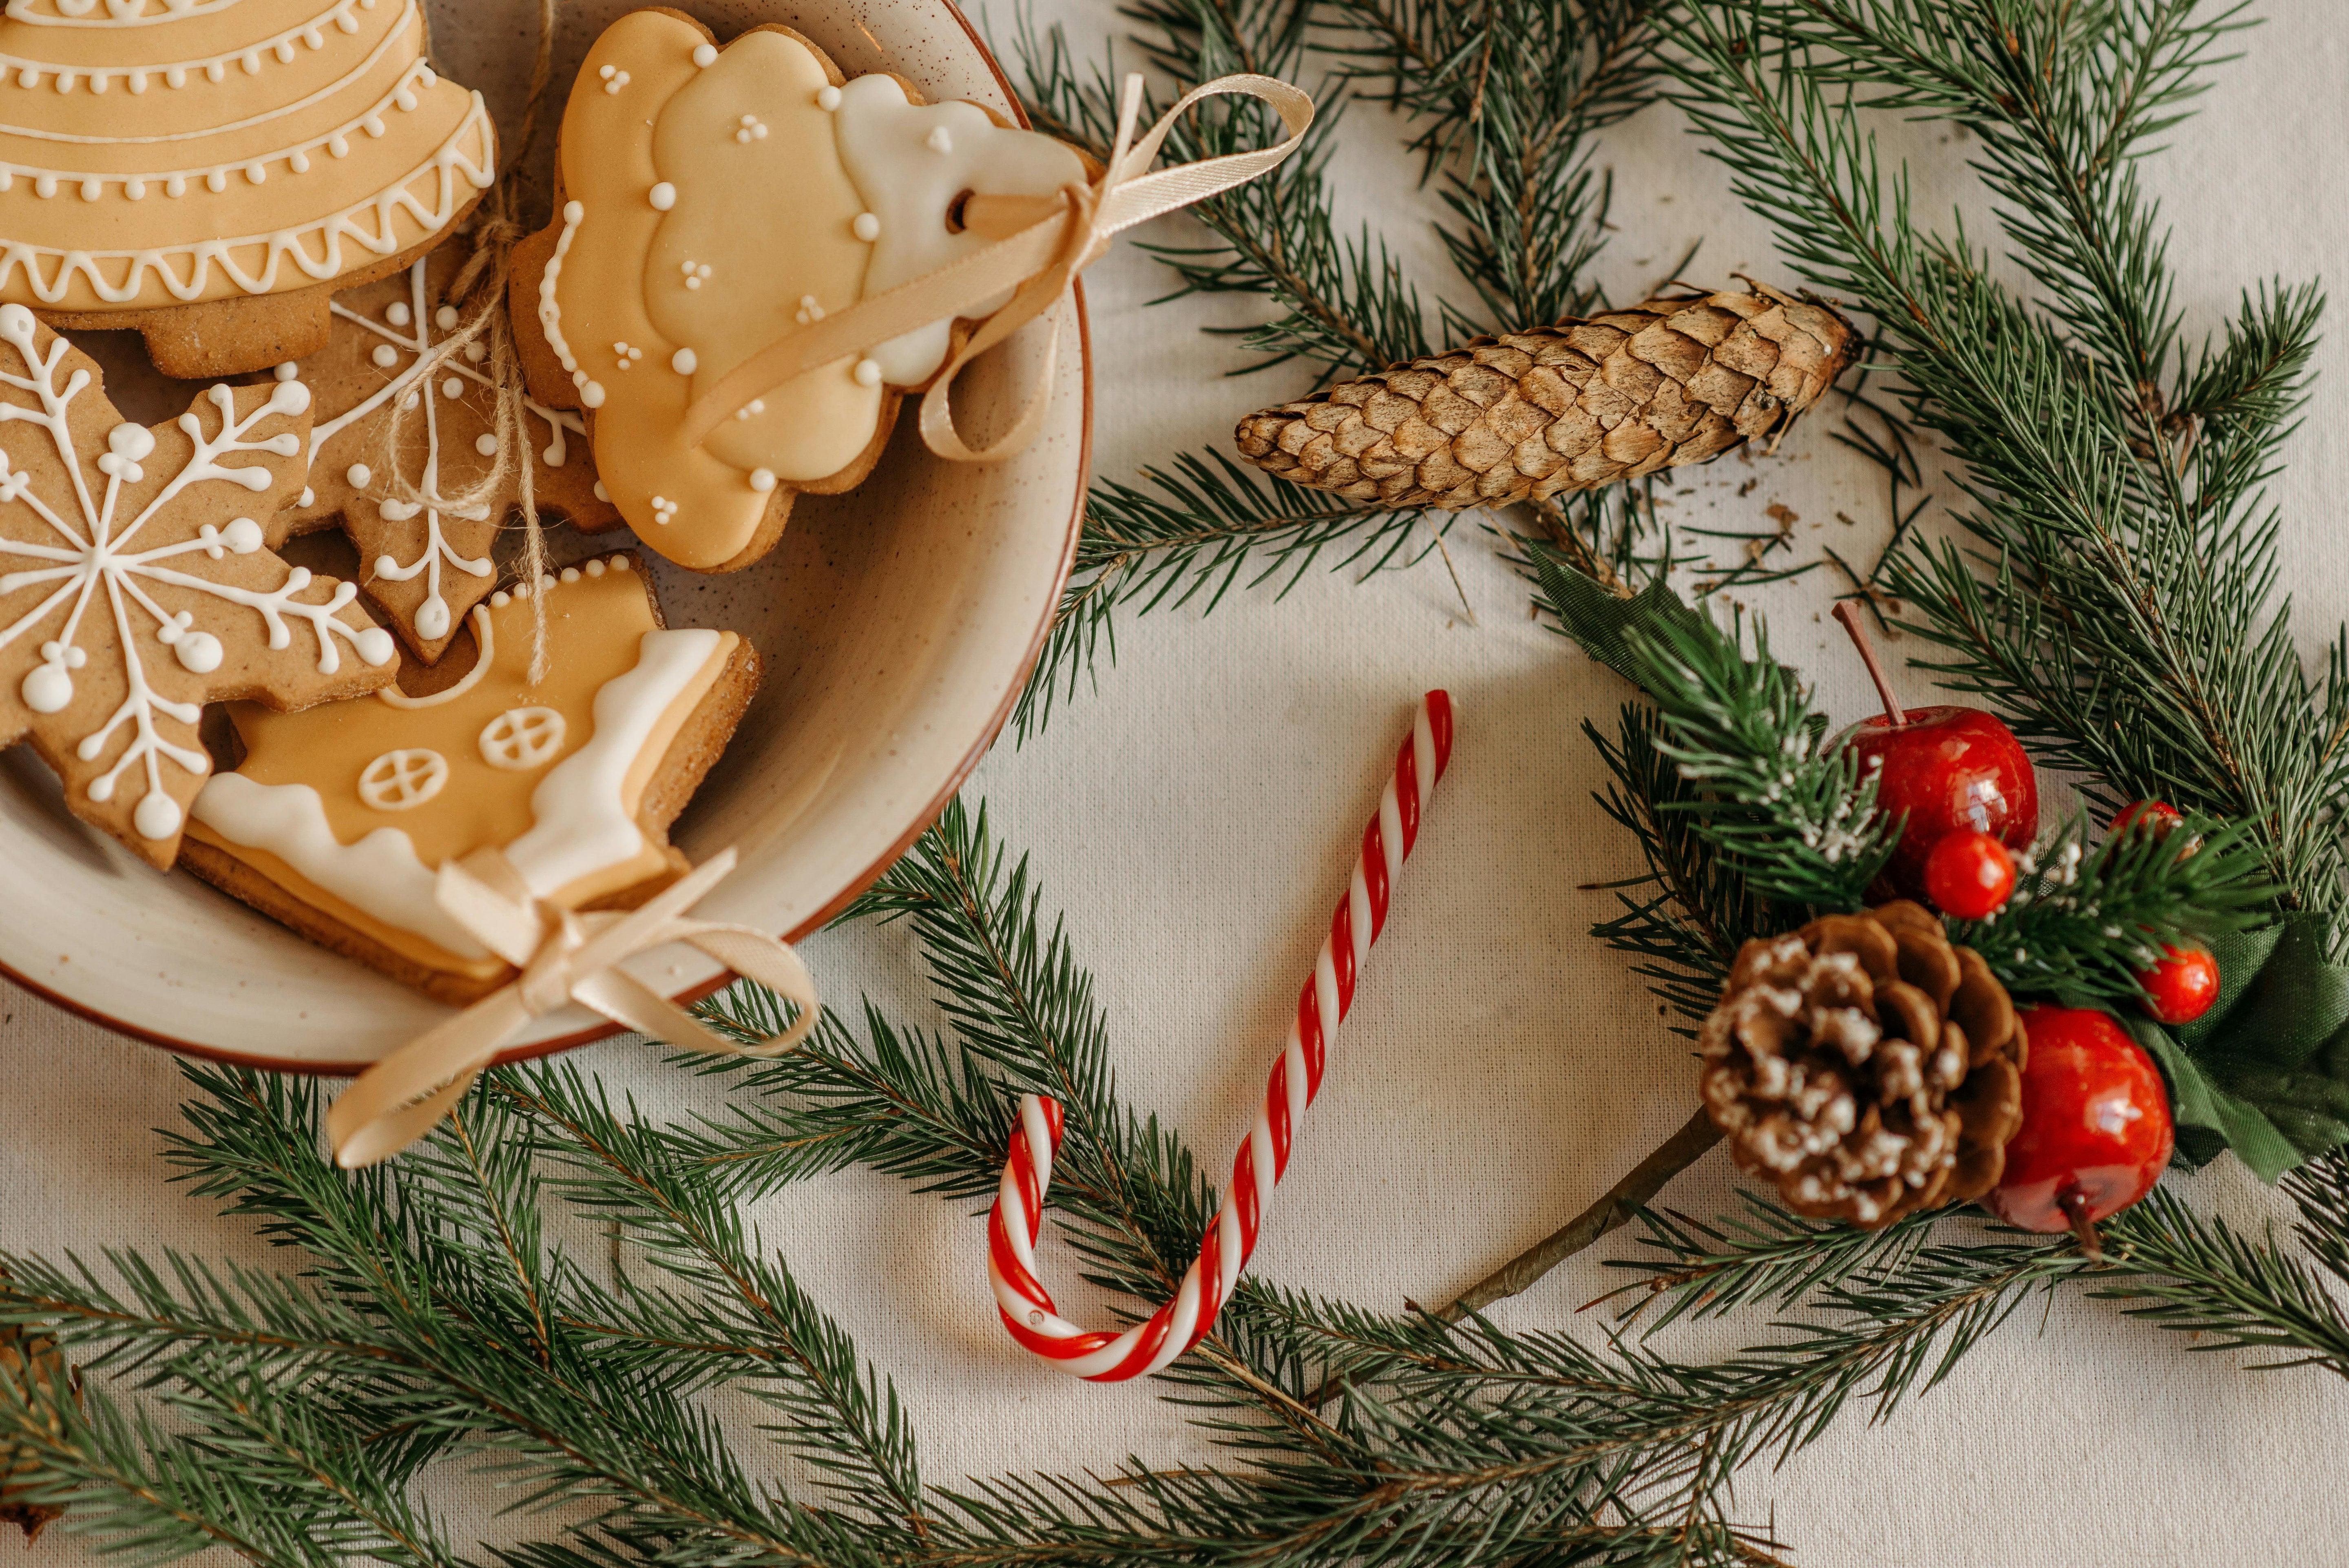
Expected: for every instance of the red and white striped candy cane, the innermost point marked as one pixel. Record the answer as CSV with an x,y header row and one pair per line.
x,y
1026,1306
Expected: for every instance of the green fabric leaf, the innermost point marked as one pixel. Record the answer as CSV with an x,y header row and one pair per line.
x,y
1609,628
2266,1071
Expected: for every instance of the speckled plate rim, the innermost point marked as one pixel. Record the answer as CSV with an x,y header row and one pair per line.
x,y
855,884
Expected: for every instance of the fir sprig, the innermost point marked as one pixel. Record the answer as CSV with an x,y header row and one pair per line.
x,y
2083,923
2116,599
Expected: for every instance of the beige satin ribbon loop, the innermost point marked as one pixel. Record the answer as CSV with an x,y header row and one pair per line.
x,y
565,957
1034,264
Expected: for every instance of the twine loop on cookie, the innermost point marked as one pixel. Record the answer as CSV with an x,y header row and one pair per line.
x,y
565,957
1037,263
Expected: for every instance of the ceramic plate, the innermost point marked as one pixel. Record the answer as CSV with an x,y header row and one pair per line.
x,y
897,623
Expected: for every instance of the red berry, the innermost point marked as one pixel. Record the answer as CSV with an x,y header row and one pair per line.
x,y
2095,1125
1947,770
2182,986
2158,816
1969,875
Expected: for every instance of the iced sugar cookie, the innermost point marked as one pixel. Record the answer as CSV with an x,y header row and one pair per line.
x,y
209,172
426,564
336,819
714,200
138,582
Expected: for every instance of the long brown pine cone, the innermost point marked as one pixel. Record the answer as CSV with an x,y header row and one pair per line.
x,y
1867,1065
1587,402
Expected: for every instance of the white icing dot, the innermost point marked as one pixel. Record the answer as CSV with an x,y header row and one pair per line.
x,y
683,362
198,651
445,318
453,387
572,211
476,351
827,98
592,395
866,228
601,493
606,72
595,569
939,141
398,314
243,536
571,574
705,55
385,355
762,480
622,562
376,646
486,445
158,816
358,474
287,371
810,310
48,689
868,372
309,496
663,196
432,617
500,599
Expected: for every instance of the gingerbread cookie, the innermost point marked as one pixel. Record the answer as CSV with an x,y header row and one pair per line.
x,y
426,564
336,820
209,172
714,200
138,582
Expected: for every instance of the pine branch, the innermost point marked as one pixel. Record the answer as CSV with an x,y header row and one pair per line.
x,y
2124,624
2083,924
1196,531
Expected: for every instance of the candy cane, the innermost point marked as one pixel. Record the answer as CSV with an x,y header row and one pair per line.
x,y
1328,992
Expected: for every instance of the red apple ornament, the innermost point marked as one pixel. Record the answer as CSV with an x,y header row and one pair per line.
x,y
2096,1126
1949,769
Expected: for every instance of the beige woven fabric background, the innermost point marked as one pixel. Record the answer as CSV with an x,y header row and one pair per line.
x,y
1194,816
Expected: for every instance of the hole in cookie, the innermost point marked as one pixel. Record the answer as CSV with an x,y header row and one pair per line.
x,y
955,215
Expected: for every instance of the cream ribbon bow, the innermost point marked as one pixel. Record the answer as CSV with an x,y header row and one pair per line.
x,y
1035,263
564,957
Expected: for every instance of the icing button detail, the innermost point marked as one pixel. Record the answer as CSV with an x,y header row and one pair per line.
x,y
664,510
663,196
939,141
683,362
868,372
522,739
486,445
398,314
403,780
358,474
385,355
705,55
601,493
810,312
762,480
866,228
827,98
749,130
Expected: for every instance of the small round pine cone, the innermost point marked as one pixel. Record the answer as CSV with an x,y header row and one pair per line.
x,y
1585,403
1867,1065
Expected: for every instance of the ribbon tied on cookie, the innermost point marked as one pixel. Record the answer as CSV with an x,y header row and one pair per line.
x,y
565,957
1048,241
757,258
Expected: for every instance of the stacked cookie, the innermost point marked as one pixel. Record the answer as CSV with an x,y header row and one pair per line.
x,y
275,192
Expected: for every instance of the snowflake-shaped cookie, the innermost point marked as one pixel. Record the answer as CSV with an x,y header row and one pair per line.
x,y
137,582
427,565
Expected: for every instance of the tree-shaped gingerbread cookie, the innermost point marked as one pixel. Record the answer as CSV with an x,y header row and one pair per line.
x,y
138,582
424,547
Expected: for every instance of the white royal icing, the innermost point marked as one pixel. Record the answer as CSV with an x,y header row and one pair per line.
x,y
408,332
462,164
580,823
911,162
550,314
380,875
91,562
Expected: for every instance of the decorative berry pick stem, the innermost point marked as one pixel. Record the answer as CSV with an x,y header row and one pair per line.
x,y
1849,614
1026,1306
